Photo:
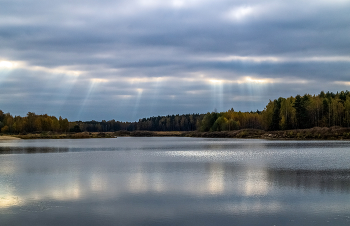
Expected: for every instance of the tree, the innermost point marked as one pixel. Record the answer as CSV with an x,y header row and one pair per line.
x,y
30,127
313,109
287,114
233,125
2,116
5,129
64,124
55,125
37,125
301,111
267,115
326,113
208,121
275,123
220,124
18,125
8,119
76,129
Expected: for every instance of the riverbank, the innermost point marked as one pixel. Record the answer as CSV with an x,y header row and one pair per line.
x,y
9,138
50,135
317,133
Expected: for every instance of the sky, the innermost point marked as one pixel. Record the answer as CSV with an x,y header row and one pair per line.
x,y
131,59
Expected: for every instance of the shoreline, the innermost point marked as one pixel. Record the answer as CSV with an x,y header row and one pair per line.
x,y
9,138
316,133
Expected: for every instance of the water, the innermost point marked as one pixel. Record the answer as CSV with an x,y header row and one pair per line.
x,y
174,181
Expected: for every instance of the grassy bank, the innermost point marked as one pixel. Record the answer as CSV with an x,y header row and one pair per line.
x,y
8,138
317,133
50,135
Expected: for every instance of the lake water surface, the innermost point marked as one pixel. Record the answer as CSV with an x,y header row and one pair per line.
x,y
174,181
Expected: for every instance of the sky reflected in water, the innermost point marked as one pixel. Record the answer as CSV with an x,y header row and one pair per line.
x,y
174,181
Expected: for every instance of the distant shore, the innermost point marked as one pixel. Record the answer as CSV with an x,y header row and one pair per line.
x,y
316,133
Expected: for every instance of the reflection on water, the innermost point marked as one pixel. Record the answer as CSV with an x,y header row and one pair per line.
x,y
202,182
321,180
216,182
31,150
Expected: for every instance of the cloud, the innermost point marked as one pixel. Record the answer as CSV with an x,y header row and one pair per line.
x,y
240,13
92,57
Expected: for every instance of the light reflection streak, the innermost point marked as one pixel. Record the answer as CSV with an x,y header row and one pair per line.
x,y
64,191
141,182
138,182
256,182
254,207
216,181
98,183
70,192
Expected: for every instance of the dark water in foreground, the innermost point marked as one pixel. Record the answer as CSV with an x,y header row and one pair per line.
x,y
174,181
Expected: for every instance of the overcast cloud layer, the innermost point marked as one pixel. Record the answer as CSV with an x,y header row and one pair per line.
x,y
125,60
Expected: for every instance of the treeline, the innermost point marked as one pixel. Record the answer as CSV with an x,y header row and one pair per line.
x,y
186,122
299,112
302,112
32,123
224,121
230,120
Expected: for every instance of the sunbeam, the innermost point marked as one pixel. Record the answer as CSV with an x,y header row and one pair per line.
x,y
57,90
156,91
137,102
217,94
68,83
254,88
93,84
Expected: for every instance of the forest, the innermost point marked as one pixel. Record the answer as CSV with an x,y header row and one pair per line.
x,y
299,112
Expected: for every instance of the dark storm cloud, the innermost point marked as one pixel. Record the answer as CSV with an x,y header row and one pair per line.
x,y
130,59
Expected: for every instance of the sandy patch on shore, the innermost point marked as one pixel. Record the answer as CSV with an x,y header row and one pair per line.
x,y
9,138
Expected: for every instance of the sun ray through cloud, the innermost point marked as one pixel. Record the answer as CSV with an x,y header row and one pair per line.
x,y
217,88
94,83
138,97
